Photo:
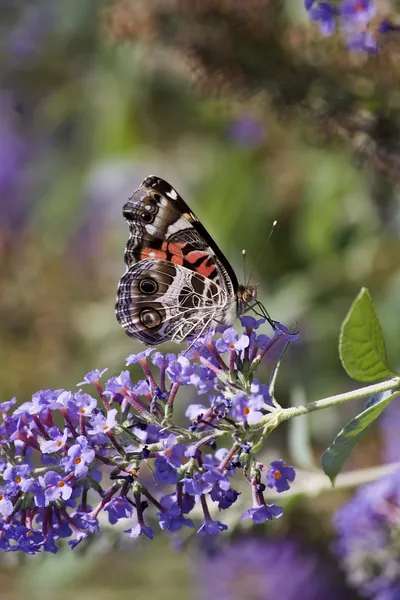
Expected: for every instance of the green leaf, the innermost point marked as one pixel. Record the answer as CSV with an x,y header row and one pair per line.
x,y
361,344
333,458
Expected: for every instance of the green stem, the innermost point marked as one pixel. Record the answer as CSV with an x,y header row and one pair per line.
x,y
295,411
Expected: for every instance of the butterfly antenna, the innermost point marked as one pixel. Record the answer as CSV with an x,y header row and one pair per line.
x,y
274,224
244,263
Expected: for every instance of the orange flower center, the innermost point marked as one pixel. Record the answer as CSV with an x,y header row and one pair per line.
x,y
18,480
246,410
277,475
60,484
78,461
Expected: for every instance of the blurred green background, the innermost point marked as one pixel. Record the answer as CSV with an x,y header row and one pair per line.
x,y
251,126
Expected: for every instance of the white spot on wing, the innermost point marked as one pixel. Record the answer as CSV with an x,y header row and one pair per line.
x,y
172,194
150,229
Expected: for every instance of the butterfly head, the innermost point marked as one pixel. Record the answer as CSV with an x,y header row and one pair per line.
x,y
246,296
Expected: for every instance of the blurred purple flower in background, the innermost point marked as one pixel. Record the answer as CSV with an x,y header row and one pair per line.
x,y
13,154
26,37
358,11
355,19
390,428
368,538
324,14
248,131
263,569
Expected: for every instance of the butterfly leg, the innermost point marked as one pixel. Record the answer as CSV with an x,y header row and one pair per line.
x,y
263,313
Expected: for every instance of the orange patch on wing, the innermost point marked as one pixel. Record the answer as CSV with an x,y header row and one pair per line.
x,y
194,255
177,260
152,253
175,250
205,269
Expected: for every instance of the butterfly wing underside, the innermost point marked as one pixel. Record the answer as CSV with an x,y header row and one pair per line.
x,y
177,282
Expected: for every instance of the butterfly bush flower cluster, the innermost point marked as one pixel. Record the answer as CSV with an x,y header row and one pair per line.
x,y
69,457
357,20
368,538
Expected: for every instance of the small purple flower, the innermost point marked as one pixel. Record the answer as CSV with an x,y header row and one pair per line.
x,y
15,478
7,405
118,508
173,452
141,388
101,423
140,529
117,385
171,518
82,404
324,14
278,476
211,527
260,389
164,471
92,377
225,498
230,340
6,506
57,442
180,370
84,525
247,408
265,512
204,380
161,360
200,483
133,359
29,540
250,322
54,487
80,455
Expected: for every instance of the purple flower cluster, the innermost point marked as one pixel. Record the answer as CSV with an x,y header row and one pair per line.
x,y
368,538
123,429
356,19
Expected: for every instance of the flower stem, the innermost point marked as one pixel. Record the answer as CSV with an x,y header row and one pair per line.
x,y
295,411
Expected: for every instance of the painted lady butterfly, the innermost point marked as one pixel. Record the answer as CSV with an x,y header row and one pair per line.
x,y
177,284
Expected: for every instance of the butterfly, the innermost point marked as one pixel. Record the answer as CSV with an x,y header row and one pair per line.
x,y
177,284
